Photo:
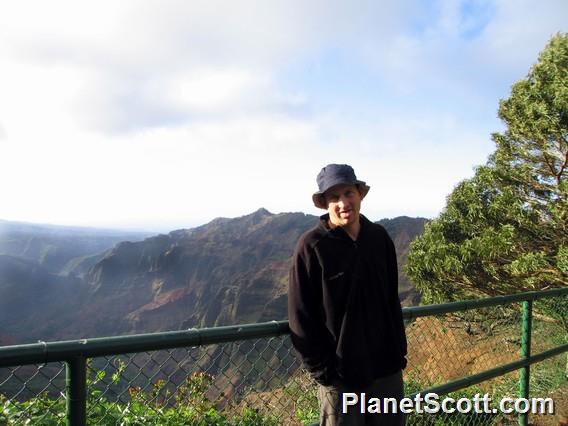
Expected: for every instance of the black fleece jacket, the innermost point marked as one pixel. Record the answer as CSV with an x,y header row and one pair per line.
x,y
343,306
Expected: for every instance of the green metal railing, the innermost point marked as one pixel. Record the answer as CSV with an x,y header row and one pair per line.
x,y
75,354
526,359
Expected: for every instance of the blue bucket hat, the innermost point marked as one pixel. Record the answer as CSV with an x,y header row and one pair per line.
x,y
336,174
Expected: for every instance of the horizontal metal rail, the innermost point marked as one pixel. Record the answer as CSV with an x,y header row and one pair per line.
x,y
44,352
492,373
446,308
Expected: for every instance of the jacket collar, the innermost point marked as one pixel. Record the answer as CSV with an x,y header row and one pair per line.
x,y
339,232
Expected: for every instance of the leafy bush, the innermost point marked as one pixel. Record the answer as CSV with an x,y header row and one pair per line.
x,y
190,407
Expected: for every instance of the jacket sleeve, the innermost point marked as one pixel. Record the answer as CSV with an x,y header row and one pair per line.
x,y
310,336
395,300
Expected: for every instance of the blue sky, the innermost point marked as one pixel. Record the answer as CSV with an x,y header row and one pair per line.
x,y
162,115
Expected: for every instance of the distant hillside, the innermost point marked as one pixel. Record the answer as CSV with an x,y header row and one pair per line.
x,y
40,275
59,249
225,272
32,299
403,230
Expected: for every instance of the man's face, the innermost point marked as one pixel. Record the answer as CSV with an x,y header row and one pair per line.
x,y
343,204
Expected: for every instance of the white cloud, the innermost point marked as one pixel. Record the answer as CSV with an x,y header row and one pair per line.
x,y
183,175
175,112
130,55
188,175
212,90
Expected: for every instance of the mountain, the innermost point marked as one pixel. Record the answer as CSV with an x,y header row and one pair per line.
x,y
228,271
30,293
59,249
403,230
41,269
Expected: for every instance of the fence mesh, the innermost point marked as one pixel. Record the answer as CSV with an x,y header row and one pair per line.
x,y
261,382
32,394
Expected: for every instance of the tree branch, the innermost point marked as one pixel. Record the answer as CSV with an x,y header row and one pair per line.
x,y
562,168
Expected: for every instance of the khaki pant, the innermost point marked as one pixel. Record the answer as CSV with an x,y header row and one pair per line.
x,y
331,403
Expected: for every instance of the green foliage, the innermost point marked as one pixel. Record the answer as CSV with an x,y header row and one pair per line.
x,y
562,259
505,230
192,408
304,392
40,410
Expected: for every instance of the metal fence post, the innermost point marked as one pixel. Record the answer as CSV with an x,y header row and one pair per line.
x,y
524,377
76,391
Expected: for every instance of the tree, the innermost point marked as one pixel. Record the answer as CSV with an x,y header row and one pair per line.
x,y
506,229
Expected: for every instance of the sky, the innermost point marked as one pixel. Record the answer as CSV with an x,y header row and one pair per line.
x,y
160,115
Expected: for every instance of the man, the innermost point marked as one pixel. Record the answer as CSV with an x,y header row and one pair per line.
x,y
343,306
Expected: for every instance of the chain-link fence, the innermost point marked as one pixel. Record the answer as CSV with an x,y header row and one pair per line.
x,y
260,381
